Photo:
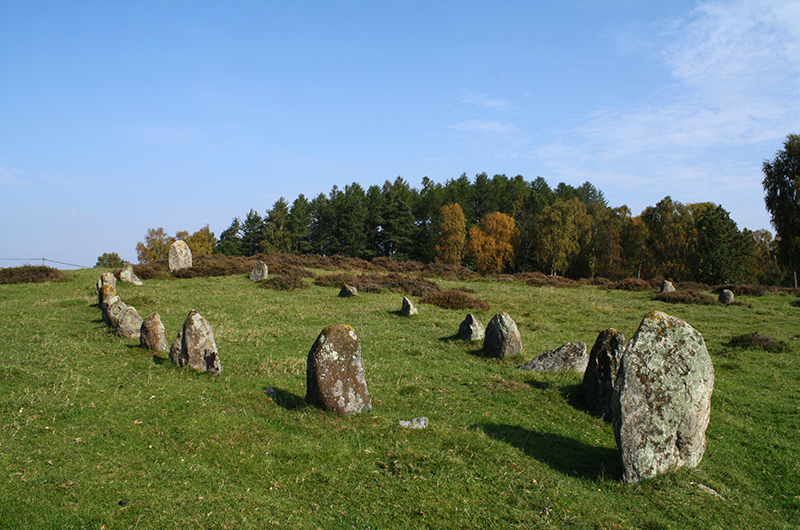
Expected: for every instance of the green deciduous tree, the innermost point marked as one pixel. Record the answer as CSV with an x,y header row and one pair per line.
x,y
110,261
782,197
560,227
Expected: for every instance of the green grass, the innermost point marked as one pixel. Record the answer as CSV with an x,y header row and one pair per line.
x,y
97,432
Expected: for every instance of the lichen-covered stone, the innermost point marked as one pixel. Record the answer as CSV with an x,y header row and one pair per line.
x,y
667,287
408,308
662,398
180,256
601,372
726,296
129,323
107,279
347,291
417,423
112,309
502,337
571,357
471,329
107,291
152,334
260,272
195,346
127,275
334,374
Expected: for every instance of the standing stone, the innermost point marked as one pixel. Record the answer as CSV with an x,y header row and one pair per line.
x,y
667,287
180,256
152,335
195,346
726,296
112,309
471,329
408,308
601,372
662,398
127,275
502,337
334,374
106,292
109,279
347,291
259,272
571,357
129,323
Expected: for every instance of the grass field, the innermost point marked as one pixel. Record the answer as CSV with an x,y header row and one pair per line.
x,y
99,433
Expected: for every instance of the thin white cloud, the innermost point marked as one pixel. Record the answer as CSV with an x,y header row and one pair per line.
x,y
482,100
736,73
483,127
10,177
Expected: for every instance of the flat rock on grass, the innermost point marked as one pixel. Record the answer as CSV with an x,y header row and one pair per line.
x,y
662,398
571,357
334,373
347,291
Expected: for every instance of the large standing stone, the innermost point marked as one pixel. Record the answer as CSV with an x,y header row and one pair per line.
x,y
106,279
471,329
601,372
152,335
502,337
726,296
667,287
347,291
260,272
106,292
662,398
408,308
571,357
195,346
180,256
334,374
127,275
112,309
129,323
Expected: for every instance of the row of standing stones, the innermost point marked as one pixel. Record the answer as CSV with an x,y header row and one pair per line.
x,y
656,391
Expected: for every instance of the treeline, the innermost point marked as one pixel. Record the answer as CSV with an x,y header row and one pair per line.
x,y
500,224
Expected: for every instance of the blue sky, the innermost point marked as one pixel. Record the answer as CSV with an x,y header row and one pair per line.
x,y
117,117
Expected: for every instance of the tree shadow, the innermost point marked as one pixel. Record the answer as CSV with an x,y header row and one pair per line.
x,y
285,399
562,454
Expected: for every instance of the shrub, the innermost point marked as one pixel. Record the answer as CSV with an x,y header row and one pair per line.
x,y
754,341
633,284
448,272
335,280
454,299
110,261
31,274
685,297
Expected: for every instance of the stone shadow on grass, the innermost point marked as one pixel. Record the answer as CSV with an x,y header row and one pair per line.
x,y
562,454
574,395
285,399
